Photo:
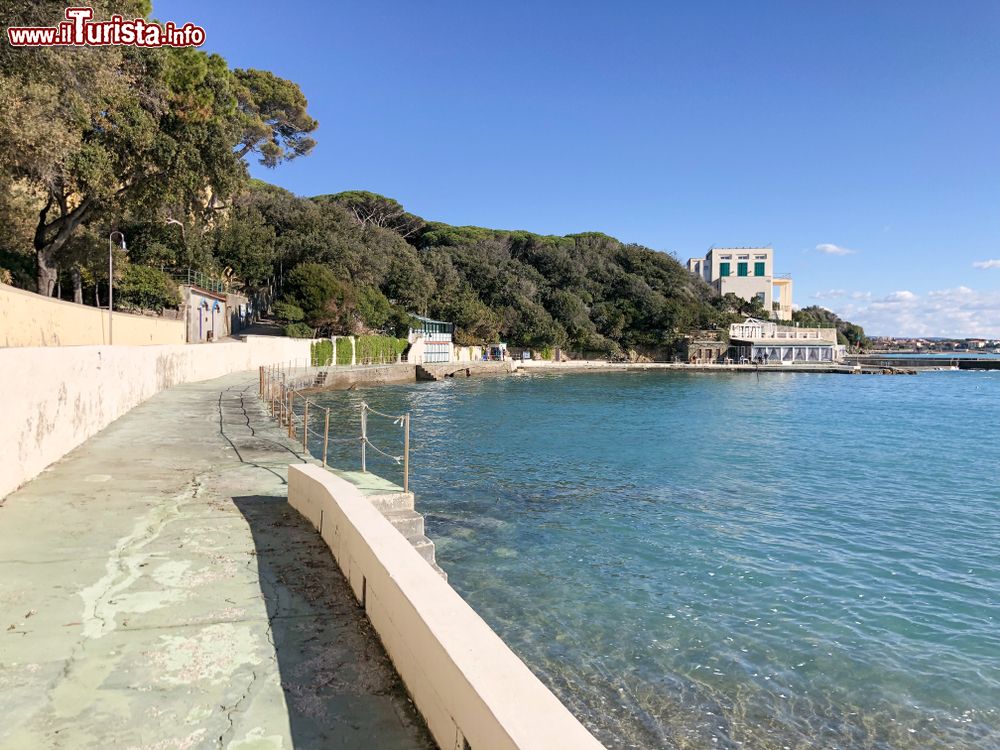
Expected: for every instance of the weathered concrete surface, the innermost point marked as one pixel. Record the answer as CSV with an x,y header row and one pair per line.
x,y
156,591
437,371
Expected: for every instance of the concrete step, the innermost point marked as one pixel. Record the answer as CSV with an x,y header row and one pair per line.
x,y
424,546
390,501
425,374
409,523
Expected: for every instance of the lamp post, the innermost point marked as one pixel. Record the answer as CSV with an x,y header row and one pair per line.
x,y
111,278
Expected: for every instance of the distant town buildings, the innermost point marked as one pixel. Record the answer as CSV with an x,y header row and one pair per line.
x,y
763,341
888,343
747,272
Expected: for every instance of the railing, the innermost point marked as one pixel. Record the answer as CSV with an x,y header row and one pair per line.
x,y
191,277
281,389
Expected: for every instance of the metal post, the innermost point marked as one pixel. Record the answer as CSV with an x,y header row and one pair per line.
x,y
326,436
111,280
291,414
406,452
364,434
305,426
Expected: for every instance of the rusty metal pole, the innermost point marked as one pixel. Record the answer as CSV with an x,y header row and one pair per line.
x,y
291,414
364,435
326,436
305,427
406,452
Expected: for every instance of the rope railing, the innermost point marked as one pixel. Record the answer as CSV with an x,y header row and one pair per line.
x,y
281,389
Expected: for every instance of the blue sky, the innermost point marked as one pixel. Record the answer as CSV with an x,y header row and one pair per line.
x,y
868,130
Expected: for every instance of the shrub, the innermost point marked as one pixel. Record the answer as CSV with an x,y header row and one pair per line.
x,y
311,287
298,331
373,308
287,312
145,288
321,353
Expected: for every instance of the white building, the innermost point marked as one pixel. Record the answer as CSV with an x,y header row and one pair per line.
x,y
763,341
430,341
747,272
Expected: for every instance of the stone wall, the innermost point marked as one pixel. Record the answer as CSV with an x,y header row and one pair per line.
x,y
29,319
57,397
471,689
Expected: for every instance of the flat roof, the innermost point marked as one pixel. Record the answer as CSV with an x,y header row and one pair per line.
x,y
422,319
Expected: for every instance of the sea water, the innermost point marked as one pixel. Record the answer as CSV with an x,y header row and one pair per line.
x,y
783,560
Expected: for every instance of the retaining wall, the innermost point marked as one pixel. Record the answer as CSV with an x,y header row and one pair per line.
x,y
54,398
472,690
29,319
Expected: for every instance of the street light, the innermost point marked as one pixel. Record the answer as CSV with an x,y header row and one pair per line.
x,y
111,278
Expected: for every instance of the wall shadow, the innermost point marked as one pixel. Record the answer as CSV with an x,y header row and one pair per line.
x,y
340,687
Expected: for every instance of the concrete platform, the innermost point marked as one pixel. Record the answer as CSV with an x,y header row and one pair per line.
x,y
156,591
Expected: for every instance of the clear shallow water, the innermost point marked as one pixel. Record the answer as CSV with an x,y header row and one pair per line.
x,y
794,560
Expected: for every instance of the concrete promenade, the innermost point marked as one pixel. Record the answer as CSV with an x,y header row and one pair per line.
x,y
157,592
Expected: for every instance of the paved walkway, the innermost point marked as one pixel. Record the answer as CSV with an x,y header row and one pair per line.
x,y
157,592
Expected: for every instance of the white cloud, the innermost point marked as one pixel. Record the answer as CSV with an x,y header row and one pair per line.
x,y
985,264
830,249
960,312
830,294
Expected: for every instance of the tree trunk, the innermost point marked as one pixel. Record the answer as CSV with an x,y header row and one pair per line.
x,y
47,245
74,272
47,274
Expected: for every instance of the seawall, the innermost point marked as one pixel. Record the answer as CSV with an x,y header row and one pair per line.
x,y
28,319
57,397
471,689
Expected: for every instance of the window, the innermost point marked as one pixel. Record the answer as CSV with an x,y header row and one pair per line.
x,y
758,269
741,269
760,297
723,269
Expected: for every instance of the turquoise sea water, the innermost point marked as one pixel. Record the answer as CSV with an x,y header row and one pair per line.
x,y
726,560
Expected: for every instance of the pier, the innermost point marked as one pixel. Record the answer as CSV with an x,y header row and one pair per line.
x,y
928,363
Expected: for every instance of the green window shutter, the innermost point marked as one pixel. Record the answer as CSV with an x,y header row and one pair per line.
x,y
723,269
741,269
758,269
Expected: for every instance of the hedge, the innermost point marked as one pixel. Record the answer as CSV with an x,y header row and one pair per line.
x,y
344,351
382,349
321,353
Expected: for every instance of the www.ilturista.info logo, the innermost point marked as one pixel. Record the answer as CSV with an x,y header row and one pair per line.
x,y
79,31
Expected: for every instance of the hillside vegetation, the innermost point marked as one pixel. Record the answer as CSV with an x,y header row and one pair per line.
x,y
155,143
376,262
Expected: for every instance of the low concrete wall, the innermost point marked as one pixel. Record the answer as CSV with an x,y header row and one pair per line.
x,y
469,686
57,397
342,378
28,319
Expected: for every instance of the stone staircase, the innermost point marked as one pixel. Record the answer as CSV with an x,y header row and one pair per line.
x,y
397,507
